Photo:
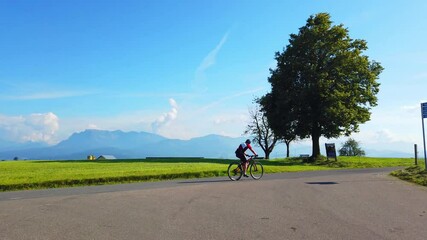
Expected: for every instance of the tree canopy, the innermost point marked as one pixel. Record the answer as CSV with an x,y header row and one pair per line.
x,y
322,85
351,148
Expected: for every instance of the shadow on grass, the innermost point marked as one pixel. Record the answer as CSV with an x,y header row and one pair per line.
x,y
109,180
142,160
285,162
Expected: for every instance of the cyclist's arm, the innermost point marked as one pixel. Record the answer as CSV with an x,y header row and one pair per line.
x,y
254,152
250,148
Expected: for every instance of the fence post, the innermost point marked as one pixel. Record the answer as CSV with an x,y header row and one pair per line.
x,y
416,154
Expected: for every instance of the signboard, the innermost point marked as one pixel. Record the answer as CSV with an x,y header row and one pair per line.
x,y
330,151
424,115
424,110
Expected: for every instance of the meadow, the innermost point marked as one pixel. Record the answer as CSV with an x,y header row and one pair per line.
x,y
20,175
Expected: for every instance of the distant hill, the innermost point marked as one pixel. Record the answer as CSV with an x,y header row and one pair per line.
x,y
389,154
93,139
8,145
127,145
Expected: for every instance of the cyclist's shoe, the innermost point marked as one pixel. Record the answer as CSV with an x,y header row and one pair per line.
x,y
245,175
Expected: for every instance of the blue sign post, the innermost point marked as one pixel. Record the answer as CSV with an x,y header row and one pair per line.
x,y
424,115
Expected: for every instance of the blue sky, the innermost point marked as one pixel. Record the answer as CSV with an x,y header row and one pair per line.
x,y
185,68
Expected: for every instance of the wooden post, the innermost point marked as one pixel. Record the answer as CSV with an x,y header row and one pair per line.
x,y
416,154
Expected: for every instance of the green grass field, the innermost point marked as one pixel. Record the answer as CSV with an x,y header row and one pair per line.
x,y
17,175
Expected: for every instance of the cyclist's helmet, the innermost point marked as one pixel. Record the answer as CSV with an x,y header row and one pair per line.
x,y
248,141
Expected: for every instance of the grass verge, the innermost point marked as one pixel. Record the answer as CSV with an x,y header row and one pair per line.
x,y
20,175
414,174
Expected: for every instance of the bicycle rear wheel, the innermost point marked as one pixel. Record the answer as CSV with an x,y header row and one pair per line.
x,y
256,170
235,171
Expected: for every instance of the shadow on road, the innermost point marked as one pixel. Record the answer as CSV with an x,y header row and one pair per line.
x,y
206,181
321,183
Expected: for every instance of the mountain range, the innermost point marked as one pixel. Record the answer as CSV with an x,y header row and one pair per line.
x,y
128,145
123,145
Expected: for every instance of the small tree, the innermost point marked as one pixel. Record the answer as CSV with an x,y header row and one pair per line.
x,y
283,125
351,148
262,134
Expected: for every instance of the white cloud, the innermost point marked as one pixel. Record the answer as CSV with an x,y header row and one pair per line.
x,y
410,108
386,136
385,139
210,59
247,92
231,119
413,108
130,121
420,76
37,127
207,62
47,95
166,118
92,126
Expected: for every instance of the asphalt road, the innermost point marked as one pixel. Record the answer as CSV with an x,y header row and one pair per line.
x,y
343,204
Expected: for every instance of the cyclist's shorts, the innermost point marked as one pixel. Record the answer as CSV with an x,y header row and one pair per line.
x,y
241,157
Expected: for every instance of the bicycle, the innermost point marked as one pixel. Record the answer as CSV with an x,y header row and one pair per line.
x,y
256,170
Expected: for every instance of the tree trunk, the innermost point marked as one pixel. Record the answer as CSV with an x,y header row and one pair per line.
x,y
267,154
287,149
316,145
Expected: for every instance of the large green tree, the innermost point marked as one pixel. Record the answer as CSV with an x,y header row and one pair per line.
x,y
322,85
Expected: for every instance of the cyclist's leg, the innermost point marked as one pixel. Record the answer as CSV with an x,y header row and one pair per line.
x,y
244,162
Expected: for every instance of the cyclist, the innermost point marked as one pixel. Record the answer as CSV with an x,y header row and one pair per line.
x,y
240,153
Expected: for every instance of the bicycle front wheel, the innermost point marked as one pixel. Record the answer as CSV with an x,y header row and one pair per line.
x,y
235,171
256,170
